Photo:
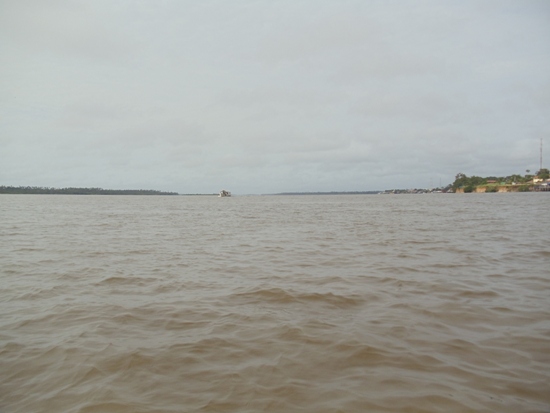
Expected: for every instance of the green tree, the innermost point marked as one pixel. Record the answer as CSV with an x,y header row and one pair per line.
x,y
460,181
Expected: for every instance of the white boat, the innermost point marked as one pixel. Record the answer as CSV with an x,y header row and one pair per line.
x,y
224,193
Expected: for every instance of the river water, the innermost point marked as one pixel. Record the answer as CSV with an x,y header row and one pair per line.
x,y
360,303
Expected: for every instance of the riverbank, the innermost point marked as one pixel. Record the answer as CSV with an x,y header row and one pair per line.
x,y
506,188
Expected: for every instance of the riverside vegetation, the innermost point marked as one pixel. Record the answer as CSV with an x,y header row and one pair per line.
x,y
521,183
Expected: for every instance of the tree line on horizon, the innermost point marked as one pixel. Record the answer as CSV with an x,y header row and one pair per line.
x,y
79,191
469,183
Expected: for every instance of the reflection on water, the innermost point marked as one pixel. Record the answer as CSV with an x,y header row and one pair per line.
x,y
422,303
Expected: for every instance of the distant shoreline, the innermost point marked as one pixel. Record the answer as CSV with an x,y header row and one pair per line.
x,y
35,190
330,193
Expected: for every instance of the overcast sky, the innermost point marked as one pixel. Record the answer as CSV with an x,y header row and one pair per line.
x,y
266,96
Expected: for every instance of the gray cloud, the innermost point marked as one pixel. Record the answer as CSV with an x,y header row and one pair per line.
x,y
258,96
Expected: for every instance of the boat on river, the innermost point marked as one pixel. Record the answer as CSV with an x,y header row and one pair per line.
x,y
224,193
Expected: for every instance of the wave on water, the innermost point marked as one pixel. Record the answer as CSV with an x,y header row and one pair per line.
x,y
290,297
274,304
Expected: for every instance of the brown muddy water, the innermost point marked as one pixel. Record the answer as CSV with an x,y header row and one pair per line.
x,y
365,303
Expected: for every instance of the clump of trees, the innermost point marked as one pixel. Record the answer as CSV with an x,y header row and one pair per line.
x,y
78,191
469,183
